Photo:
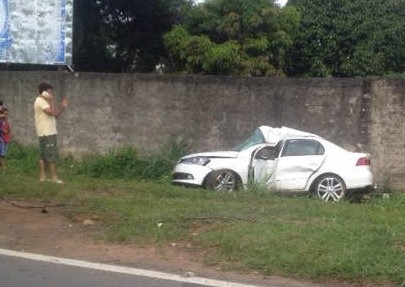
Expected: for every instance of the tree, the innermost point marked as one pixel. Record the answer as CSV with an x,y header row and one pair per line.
x,y
91,39
348,38
123,35
232,37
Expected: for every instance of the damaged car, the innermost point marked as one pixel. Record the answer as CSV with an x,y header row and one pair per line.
x,y
280,159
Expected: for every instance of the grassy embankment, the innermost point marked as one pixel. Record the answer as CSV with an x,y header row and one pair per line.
x,y
246,230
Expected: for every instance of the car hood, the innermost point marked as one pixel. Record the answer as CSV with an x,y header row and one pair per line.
x,y
214,154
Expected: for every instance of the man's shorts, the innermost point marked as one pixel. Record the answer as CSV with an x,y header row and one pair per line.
x,y
48,148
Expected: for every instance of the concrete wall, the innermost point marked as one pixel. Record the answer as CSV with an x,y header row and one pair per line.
x,y
147,111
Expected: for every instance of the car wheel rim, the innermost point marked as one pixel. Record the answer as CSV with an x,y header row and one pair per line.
x,y
225,182
330,189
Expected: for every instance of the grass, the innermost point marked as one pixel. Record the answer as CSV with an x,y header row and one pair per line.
x,y
246,230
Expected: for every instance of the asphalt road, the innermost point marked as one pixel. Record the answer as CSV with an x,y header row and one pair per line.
x,y
18,269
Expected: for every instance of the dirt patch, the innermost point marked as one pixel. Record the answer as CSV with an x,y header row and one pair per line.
x,y
50,232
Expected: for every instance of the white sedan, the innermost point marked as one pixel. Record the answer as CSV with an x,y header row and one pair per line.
x,y
281,159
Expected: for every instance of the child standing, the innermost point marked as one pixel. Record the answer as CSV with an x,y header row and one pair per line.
x,y
5,131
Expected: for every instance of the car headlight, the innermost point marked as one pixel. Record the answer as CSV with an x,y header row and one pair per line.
x,y
199,160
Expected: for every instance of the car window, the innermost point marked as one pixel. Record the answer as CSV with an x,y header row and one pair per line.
x,y
266,153
301,147
256,138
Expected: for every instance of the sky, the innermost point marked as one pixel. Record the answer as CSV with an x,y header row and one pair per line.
x,y
281,2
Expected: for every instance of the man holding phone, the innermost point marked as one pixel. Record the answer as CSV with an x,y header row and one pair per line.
x,y
46,114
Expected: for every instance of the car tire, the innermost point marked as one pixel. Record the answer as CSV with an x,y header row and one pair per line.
x,y
330,187
224,180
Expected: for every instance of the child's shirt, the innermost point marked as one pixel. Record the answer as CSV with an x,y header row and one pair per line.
x,y
5,130
1,129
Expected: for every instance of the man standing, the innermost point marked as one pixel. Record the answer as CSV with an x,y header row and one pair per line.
x,y
46,114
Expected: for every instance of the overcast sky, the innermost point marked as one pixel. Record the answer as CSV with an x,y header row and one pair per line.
x,y
281,2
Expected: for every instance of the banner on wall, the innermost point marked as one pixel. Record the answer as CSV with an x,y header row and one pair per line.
x,y
36,31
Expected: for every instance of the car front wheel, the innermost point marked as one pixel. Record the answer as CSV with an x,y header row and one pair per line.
x,y
330,188
222,180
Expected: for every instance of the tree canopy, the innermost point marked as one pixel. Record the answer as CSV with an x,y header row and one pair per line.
x,y
235,37
316,38
123,35
348,38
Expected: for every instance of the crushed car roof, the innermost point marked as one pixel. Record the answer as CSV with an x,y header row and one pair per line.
x,y
274,135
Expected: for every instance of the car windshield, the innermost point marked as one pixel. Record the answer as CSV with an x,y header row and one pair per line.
x,y
256,138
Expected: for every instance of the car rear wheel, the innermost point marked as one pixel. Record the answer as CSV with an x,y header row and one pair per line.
x,y
222,180
330,188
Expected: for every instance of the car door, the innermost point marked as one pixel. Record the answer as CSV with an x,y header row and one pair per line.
x,y
299,159
262,165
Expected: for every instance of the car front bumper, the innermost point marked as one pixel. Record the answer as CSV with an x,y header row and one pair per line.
x,y
190,174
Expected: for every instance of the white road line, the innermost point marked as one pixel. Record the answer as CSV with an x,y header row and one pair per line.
x,y
121,269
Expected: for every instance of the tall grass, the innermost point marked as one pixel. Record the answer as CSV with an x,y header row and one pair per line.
x,y
126,162
22,158
248,230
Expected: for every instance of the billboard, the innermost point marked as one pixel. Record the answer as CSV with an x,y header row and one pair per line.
x,y
36,31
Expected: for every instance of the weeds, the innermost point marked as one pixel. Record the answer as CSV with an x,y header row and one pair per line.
x,y
22,158
127,163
